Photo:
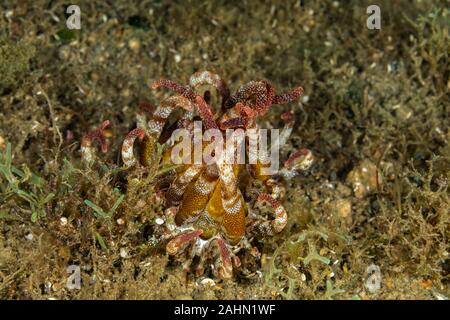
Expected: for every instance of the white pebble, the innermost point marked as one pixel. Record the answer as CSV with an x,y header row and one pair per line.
x,y
63,221
9,14
208,281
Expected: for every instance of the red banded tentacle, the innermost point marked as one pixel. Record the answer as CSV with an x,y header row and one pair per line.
x,y
128,157
240,116
185,91
209,78
178,243
226,173
87,148
289,96
280,216
263,102
246,92
259,160
300,160
206,181
233,123
176,190
245,110
231,197
185,120
205,113
258,95
233,223
223,267
156,124
145,109
196,196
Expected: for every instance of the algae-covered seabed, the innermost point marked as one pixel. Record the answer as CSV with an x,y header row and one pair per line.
x,y
375,114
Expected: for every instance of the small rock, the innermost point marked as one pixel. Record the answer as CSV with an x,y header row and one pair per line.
x,y
364,178
95,76
134,44
141,204
314,196
123,253
343,190
9,14
125,93
63,221
92,38
343,209
208,282
64,52
426,284
29,236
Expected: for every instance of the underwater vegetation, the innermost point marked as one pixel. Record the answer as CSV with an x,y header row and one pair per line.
x,y
374,112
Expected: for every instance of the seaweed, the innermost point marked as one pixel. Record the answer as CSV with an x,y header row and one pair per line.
x,y
374,99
